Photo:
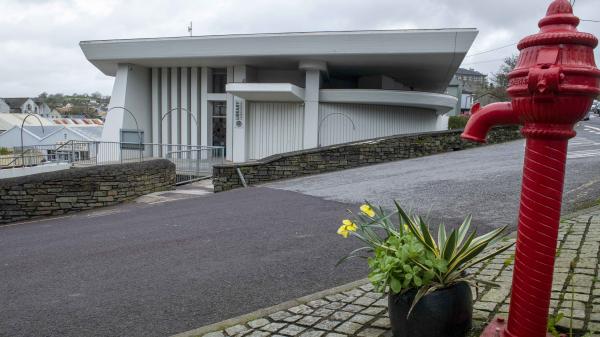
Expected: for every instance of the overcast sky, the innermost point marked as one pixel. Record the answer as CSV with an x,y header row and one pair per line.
x,y
39,39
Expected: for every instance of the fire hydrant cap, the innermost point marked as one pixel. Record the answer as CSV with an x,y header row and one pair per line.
x,y
559,27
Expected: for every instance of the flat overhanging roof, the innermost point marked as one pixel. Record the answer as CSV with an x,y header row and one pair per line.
x,y
424,58
270,92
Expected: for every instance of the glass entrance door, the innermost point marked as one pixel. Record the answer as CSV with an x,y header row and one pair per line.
x,y
219,125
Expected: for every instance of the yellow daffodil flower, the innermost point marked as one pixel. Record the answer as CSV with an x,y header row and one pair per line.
x,y
346,227
367,210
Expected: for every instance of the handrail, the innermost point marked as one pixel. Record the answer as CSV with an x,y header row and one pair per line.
x,y
22,127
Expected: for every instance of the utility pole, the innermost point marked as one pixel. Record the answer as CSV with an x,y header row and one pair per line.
x,y
190,27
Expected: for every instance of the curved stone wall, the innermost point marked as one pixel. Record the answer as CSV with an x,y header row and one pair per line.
x,y
348,155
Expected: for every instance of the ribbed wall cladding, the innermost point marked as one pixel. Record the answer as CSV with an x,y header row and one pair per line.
x,y
274,128
175,88
371,121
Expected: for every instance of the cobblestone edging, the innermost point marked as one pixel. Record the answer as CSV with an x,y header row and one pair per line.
x,y
349,155
77,189
361,312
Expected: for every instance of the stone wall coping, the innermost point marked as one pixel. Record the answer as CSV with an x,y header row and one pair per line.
x,y
79,172
279,156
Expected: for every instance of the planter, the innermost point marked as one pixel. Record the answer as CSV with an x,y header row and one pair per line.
x,y
443,313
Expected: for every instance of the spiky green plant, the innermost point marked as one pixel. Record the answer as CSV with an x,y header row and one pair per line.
x,y
406,255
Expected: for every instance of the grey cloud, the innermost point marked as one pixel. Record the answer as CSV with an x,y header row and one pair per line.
x,y
39,38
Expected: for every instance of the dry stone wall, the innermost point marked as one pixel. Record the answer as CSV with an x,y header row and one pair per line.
x,y
78,189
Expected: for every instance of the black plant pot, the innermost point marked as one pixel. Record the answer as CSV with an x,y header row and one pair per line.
x,y
446,312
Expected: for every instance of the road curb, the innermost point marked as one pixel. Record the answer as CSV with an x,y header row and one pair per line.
x,y
270,310
580,212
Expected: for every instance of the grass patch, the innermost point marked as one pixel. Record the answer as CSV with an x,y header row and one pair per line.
x,y
457,122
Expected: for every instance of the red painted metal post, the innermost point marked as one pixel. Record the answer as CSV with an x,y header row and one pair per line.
x,y
541,197
551,89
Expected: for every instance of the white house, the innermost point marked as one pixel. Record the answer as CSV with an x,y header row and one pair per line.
x,y
263,94
24,105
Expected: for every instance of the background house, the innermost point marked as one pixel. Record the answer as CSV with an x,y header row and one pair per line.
x,y
471,82
455,89
24,105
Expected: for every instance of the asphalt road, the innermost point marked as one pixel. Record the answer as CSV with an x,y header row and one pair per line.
x,y
156,270
159,269
484,182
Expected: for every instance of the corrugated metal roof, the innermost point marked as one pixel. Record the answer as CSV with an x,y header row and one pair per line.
x,y
42,132
91,132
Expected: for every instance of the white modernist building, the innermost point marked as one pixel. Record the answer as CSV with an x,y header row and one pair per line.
x,y
263,94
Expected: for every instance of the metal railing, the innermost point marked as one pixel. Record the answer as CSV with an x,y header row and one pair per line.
x,y
192,162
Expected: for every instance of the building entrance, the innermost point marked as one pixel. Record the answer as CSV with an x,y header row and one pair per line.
x,y
219,125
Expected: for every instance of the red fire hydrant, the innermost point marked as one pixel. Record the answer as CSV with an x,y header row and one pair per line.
x,y
551,89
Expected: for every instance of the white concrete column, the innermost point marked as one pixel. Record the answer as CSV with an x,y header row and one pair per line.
x,y
204,115
165,107
238,108
175,103
155,106
132,90
194,106
311,108
229,118
185,107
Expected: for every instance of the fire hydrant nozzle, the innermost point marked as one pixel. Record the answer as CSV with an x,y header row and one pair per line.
x,y
482,121
551,89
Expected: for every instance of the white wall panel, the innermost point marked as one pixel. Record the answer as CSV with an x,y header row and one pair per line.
x,y
195,105
370,121
175,104
185,106
274,128
204,115
165,106
156,105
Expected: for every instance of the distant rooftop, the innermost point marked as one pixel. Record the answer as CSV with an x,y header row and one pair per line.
x,y
17,102
92,133
469,72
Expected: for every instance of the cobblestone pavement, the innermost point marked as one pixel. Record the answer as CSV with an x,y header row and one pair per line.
x,y
362,312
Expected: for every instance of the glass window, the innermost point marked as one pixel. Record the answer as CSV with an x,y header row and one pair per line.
x,y
131,139
219,126
219,80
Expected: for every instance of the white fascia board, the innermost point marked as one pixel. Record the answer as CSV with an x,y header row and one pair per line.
x,y
81,134
267,92
439,102
237,49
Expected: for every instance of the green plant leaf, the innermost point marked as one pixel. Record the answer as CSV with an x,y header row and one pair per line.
x,y
395,285
422,292
428,238
450,246
353,253
441,236
457,259
486,257
464,229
